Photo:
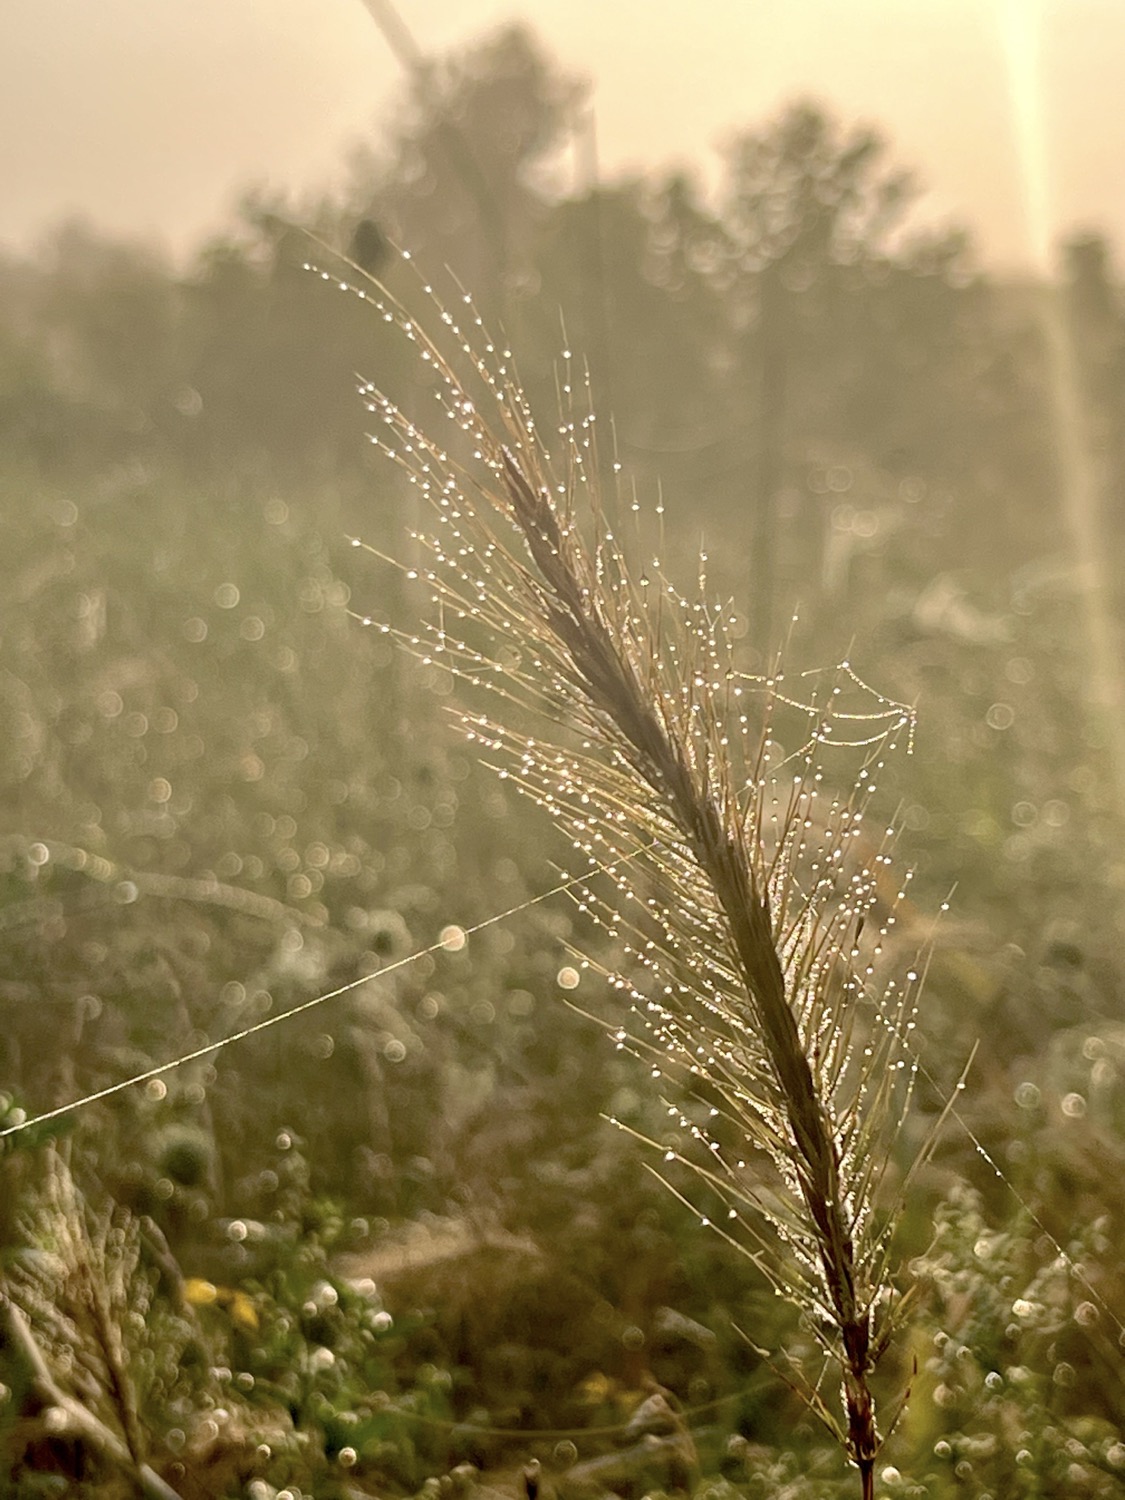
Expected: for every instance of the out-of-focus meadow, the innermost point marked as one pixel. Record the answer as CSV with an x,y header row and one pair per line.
x,y
379,1240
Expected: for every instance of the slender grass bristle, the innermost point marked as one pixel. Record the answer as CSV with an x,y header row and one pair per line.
x,y
723,817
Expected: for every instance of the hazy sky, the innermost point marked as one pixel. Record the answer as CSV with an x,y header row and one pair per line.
x,y
149,116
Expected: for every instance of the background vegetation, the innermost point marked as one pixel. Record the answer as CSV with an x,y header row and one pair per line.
x,y
368,1245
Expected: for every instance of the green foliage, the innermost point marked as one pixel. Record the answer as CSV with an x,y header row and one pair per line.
x,y
1013,1398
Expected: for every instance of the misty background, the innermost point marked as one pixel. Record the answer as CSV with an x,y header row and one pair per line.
x,y
150,119
847,283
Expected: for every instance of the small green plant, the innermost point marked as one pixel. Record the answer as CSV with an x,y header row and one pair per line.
x,y
742,894
186,1386
1016,1337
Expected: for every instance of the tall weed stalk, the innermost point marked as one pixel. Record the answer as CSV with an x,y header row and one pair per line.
x,y
747,903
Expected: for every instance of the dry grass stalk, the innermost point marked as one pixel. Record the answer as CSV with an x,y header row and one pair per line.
x,y
61,1309
739,907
